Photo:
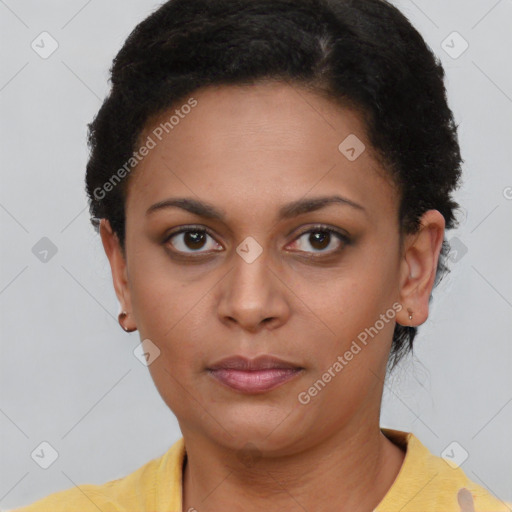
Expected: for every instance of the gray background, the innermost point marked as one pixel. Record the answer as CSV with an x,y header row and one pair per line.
x,y
68,373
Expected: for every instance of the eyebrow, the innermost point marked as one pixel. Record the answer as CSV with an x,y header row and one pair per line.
x,y
287,211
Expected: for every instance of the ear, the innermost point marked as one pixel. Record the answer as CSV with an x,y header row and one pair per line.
x,y
119,269
418,268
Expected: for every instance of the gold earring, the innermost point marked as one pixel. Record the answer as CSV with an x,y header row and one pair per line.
x,y
121,318
409,310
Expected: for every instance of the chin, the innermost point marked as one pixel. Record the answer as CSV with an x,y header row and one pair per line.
x,y
278,436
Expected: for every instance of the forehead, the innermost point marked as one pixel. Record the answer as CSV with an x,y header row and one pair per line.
x,y
258,146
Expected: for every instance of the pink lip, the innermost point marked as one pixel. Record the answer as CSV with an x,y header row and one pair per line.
x,y
253,375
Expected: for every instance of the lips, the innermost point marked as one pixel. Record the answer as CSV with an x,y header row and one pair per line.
x,y
258,375
259,363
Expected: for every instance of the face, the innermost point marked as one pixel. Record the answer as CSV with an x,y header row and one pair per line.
x,y
257,263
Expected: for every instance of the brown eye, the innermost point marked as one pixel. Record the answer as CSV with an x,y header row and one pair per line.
x,y
320,239
192,240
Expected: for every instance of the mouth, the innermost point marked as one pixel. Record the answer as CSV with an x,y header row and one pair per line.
x,y
251,376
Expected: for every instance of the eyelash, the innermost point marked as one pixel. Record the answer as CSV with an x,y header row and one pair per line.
x,y
344,239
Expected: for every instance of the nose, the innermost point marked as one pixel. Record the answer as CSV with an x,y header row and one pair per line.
x,y
253,294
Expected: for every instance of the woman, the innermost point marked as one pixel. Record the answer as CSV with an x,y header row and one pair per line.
x,y
271,181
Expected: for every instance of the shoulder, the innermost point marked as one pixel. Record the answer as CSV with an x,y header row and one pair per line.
x,y
83,498
430,482
139,490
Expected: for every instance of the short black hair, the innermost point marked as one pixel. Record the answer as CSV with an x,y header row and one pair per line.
x,y
363,53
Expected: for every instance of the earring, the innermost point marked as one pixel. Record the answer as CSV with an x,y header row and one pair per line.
x,y
120,318
410,313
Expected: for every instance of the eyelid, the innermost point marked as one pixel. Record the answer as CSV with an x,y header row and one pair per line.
x,y
184,229
343,237
325,227
188,227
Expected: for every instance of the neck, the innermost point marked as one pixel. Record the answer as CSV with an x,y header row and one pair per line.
x,y
351,470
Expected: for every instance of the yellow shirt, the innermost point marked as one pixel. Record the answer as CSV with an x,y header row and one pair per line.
x,y
425,483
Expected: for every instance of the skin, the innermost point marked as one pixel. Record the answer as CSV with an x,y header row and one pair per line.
x,y
248,151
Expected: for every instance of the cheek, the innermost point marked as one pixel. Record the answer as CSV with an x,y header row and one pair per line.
x,y
358,293
352,365
172,316
351,306
172,308
158,297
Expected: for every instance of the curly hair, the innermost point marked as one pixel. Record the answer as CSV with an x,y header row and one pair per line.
x,y
362,53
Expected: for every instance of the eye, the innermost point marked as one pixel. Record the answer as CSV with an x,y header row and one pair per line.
x,y
190,240
320,238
